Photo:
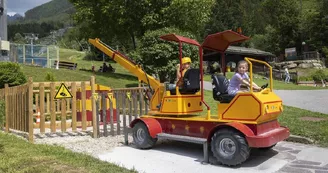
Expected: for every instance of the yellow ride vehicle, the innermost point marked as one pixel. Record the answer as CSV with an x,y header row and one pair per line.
x,y
247,120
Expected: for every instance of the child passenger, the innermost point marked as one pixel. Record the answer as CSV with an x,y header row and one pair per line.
x,y
239,78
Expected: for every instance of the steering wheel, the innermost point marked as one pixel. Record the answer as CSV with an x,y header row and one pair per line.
x,y
265,86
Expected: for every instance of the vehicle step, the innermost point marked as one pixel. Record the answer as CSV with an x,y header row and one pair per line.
x,y
182,138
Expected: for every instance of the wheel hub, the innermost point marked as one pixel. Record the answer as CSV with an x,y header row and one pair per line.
x,y
141,135
227,147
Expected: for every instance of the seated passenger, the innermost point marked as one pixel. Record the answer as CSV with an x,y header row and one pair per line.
x,y
240,77
186,63
104,67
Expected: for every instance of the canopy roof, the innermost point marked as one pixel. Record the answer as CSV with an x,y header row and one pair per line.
x,y
221,41
177,38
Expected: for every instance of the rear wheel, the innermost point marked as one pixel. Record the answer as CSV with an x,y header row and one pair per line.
x,y
141,136
229,147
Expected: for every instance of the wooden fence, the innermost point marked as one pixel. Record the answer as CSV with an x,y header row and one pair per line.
x,y
276,74
32,108
130,104
50,113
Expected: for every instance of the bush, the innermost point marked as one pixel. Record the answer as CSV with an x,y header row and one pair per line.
x,y
50,77
318,75
2,113
11,74
305,78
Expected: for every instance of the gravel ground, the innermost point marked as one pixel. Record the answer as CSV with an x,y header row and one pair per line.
x,y
85,144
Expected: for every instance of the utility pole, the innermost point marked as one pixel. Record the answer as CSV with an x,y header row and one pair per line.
x,y
3,23
3,20
31,37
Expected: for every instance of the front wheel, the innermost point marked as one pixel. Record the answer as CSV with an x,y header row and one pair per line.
x,y
229,147
141,136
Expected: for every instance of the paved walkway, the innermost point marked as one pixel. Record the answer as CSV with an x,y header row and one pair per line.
x,y
313,100
176,157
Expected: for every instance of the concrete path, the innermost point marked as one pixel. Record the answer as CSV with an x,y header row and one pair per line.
x,y
313,100
176,157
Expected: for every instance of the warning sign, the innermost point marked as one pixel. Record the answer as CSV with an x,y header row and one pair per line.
x,y
63,92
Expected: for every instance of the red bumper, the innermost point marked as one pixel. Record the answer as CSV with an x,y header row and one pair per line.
x,y
268,138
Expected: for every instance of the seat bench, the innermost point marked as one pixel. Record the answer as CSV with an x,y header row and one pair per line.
x,y
66,65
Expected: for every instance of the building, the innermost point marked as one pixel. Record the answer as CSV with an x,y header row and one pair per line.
x,y
4,44
233,54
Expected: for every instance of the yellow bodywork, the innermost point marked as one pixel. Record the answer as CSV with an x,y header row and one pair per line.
x,y
88,100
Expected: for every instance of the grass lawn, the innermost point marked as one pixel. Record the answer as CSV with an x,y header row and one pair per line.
x,y
17,155
277,85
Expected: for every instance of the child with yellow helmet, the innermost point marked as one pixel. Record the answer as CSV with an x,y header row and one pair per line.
x,y
186,63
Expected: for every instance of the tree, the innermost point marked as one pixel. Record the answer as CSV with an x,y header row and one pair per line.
x,y
160,57
124,22
19,38
284,17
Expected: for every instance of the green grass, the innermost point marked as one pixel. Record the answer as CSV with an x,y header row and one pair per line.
x,y
18,155
277,85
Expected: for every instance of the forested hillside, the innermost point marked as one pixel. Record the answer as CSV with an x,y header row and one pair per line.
x,y
54,10
43,19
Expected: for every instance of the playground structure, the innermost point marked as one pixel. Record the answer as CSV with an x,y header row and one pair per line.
x,y
248,120
39,55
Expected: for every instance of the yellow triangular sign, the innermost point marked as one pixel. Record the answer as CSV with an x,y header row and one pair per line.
x,y
63,92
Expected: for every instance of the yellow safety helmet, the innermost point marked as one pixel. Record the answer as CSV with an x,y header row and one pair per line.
x,y
186,60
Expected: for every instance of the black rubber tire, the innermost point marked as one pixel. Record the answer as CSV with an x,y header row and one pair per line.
x,y
241,152
267,148
145,141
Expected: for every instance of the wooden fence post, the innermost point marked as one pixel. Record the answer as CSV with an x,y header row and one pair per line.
x,y
7,107
73,87
84,112
118,119
94,110
52,108
42,117
104,112
30,109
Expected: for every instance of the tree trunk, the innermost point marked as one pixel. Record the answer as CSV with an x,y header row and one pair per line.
x,y
133,40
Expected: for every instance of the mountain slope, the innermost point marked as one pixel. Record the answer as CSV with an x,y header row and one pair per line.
x,y
55,10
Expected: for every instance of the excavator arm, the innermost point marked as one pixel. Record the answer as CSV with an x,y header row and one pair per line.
x,y
126,63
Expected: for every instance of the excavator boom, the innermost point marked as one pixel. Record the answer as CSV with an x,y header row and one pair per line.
x,y
126,63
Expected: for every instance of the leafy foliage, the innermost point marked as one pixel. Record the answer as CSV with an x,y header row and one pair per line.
x,y
160,57
50,76
318,75
11,74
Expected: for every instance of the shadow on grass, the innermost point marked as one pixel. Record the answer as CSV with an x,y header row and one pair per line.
x,y
116,75
130,85
2,148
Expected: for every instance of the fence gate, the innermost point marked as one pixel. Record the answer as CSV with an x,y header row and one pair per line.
x,y
18,108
